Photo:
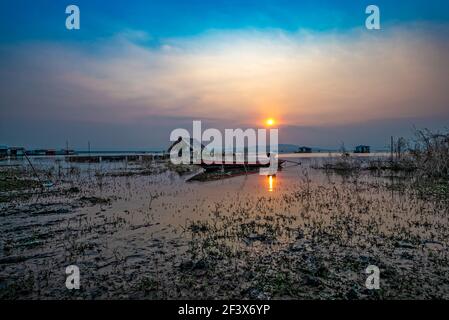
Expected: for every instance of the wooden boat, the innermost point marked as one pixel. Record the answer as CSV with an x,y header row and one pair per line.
x,y
244,166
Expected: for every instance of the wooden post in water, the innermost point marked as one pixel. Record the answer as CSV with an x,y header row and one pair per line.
x,y
391,149
67,154
34,170
88,152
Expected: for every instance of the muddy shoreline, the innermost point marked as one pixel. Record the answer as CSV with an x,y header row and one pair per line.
x,y
141,232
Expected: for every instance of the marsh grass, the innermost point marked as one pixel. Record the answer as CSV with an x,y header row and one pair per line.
x,y
430,152
302,254
151,236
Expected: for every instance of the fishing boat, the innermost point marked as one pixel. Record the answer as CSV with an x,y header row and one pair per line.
x,y
244,166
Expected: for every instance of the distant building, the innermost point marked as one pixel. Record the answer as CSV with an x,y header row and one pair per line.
x,y
362,149
16,151
42,152
37,152
65,152
3,151
304,150
50,152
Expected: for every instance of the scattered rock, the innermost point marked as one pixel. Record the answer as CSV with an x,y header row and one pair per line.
x,y
312,281
352,294
433,245
193,265
404,244
95,200
257,294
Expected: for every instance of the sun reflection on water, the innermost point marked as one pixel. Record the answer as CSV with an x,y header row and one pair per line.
x,y
271,183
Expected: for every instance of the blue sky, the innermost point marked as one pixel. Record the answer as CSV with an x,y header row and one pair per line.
x,y
44,19
138,69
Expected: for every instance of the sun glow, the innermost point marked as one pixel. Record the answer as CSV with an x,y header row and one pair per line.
x,y
270,122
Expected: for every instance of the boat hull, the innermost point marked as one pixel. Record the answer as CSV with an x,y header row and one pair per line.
x,y
236,166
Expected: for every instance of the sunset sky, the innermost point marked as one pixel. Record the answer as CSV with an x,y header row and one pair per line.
x,y
136,70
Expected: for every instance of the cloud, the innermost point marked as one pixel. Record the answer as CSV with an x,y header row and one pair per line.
x,y
236,77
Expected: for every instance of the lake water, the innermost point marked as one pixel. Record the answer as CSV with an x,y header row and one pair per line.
x,y
153,235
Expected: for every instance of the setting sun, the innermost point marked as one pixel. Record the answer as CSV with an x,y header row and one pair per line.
x,y
270,122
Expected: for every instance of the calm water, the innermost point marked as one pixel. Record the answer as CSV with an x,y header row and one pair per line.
x,y
144,223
